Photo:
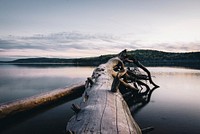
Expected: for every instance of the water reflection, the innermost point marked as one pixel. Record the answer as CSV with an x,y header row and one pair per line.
x,y
43,114
139,100
173,108
20,82
72,72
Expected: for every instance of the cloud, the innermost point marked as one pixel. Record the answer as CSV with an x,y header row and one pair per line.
x,y
64,41
75,44
178,46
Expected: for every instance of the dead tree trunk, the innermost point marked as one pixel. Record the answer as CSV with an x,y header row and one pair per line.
x,y
11,108
102,110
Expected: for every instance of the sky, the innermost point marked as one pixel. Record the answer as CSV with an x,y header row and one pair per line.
x,y
83,28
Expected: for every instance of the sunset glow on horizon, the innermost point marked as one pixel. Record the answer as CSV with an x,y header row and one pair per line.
x,y
71,29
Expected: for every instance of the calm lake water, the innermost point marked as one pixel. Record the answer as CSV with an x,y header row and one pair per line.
x,y
174,108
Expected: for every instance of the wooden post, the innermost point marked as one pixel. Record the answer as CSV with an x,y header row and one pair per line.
x,y
104,111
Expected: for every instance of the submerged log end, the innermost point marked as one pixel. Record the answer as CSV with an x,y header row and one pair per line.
x,y
70,132
76,108
147,130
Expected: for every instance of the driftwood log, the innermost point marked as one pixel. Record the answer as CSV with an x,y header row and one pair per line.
x,y
23,105
103,109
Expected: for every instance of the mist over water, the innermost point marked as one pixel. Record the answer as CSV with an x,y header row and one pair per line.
x,y
173,109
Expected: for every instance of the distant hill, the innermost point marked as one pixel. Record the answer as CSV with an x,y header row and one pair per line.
x,y
147,57
160,58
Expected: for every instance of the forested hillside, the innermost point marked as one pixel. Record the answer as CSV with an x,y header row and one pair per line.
x,y
147,57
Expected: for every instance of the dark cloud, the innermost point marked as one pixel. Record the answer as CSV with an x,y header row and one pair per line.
x,y
7,44
15,44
